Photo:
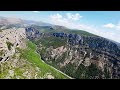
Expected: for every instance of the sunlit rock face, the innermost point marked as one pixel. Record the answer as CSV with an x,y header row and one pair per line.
x,y
10,39
31,33
79,56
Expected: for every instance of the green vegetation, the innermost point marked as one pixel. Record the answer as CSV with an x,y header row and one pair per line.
x,y
17,68
31,45
18,72
1,52
9,45
14,56
82,33
106,73
64,30
90,72
94,72
31,55
42,52
25,66
82,72
52,41
69,69
0,30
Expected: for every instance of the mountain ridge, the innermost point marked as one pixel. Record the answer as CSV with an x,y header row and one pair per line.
x,y
78,52
31,23
13,20
19,59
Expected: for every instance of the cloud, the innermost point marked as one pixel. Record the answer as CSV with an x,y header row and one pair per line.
x,y
36,11
67,21
58,19
118,26
110,25
75,17
56,16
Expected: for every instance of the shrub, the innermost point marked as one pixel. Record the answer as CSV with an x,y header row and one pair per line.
x,y
9,45
1,52
0,30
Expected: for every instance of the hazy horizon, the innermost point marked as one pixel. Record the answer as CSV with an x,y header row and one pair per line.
x,y
101,23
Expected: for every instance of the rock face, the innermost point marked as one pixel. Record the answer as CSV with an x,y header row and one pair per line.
x,y
31,33
9,40
19,59
79,56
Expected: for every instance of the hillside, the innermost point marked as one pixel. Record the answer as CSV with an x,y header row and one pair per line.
x,y
19,60
79,54
59,29
37,50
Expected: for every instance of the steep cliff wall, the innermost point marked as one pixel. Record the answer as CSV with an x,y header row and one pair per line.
x,y
78,55
19,59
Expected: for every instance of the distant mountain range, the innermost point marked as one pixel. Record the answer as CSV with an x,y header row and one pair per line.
x,y
12,20
77,53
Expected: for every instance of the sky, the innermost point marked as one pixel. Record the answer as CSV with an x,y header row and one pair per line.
x,y
102,23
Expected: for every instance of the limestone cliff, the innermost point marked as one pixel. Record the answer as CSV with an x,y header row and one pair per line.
x,y
9,40
80,55
19,60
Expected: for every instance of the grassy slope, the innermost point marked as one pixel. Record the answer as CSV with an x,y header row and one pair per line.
x,y
52,41
83,33
31,55
27,61
80,32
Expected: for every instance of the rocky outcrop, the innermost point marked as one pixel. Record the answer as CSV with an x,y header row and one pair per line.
x,y
32,33
10,39
80,56
19,59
